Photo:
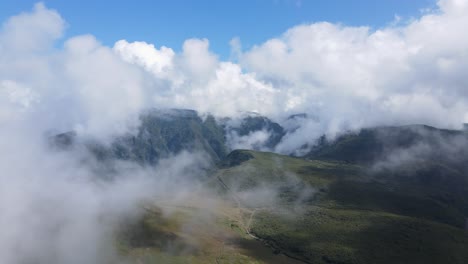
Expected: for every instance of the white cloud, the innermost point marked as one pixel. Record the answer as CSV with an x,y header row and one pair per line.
x,y
144,54
349,77
197,61
196,79
33,31
105,89
17,94
410,73
84,86
454,6
254,140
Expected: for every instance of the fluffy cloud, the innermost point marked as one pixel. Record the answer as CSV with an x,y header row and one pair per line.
x,y
146,55
105,89
31,31
410,73
85,86
196,79
347,77
350,77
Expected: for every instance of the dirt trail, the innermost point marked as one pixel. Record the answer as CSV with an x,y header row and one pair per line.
x,y
245,225
232,210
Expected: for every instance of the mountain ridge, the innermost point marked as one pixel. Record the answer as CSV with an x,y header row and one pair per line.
x,y
390,194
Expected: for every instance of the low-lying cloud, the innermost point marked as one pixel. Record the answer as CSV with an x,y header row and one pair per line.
x,y
65,207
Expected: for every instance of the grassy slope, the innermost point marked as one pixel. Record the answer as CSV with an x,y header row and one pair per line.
x,y
195,233
352,236
353,218
348,217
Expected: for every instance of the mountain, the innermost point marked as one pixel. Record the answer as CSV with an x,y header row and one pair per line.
x,y
377,195
280,209
250,123
166,132
429,163
372,144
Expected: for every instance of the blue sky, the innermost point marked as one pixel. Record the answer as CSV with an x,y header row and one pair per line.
x,y
169,23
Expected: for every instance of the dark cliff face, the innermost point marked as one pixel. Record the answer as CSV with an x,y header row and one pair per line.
x,y
370,145
254,123
163,133
168,132
63,141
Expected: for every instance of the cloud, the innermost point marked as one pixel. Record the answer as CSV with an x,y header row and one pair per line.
x,y
349,77
453,6
146,55
427,148
346,77
33,31
14,99
253,140
420,63
60,207
83,86
105,89
196,79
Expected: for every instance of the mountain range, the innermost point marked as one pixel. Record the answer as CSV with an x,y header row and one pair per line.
x,y
377,195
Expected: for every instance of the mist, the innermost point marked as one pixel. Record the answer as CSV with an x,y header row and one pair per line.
x,y
63,207
422,145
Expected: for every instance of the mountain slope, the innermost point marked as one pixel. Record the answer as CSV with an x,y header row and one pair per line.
x,y
312,211
351,217
378,195
166,132
369,145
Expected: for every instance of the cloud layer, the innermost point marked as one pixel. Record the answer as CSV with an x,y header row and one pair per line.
x,y
349,77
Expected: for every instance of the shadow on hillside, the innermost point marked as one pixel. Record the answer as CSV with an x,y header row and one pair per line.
x,y
376,196
260,251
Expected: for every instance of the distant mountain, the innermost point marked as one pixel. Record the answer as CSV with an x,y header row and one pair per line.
x,y
251,123
417,159
169,131
377,195
280,209
352,215
165,132
369,145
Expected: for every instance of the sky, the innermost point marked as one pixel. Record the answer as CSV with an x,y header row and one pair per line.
x,y
170,23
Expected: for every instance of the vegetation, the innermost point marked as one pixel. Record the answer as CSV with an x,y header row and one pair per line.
x,y
379,195
321,212
356,216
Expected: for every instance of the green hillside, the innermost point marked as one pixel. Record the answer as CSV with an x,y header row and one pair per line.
x,y
368,145
378,195
308,210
